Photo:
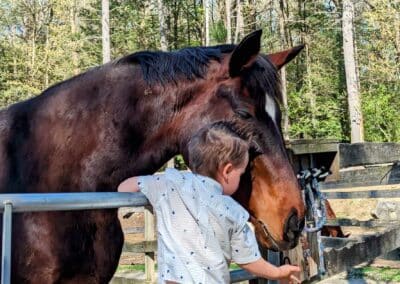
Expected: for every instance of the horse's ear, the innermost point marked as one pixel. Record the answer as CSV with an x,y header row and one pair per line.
x,y
281,58
245,53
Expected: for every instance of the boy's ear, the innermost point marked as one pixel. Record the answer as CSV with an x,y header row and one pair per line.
x,y
227,169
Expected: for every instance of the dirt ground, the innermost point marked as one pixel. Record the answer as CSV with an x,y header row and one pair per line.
x,y
353,208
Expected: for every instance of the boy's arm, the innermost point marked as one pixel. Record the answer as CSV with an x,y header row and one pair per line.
x,y
264,269
152,186
246,254
129,185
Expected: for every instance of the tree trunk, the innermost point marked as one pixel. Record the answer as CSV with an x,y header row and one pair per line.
x,y
75,30
187,25
284,6
206,23
239,22
14,54
33,54
354,100
284,43
176,12
105,22
228,21
46,58
163,27
397,32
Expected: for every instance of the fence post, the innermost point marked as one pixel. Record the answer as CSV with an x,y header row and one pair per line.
x,y
6,244
149,257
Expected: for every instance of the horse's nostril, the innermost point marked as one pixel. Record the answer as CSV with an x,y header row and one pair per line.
x,y
301,224
293,227
293,223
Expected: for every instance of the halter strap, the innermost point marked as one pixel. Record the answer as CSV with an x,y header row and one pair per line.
x,y
266,231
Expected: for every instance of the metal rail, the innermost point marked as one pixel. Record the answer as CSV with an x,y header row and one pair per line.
x,y
35,202
6,244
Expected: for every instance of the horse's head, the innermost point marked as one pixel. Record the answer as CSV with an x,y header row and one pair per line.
x,y
193,87
242,89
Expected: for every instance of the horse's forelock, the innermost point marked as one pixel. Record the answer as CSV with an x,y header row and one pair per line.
x,y
262,80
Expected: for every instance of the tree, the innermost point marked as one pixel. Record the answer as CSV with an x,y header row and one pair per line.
x,y
284,44
105,21
228,21
163,28
239,22
206,22
354,100
44,42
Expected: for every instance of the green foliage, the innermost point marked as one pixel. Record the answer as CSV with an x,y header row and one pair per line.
x,y
381,114
218,32
44,42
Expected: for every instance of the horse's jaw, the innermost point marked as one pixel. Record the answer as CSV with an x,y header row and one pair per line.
x,y
275,212
267,241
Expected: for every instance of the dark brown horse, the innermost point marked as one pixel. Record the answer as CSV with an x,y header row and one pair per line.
x,y
128,118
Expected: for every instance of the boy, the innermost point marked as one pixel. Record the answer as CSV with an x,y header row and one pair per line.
x,y
200,227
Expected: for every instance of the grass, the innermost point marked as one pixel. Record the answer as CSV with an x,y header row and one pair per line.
x,y
130,267
384,274
140,267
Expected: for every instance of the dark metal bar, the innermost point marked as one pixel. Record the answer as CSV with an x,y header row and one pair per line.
x,y
362,194
241,275
358,223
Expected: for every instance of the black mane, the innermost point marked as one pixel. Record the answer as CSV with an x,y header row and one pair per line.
x,y
165,67
192,62
260,79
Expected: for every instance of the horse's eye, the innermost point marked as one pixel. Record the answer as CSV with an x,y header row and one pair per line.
x,y
244,114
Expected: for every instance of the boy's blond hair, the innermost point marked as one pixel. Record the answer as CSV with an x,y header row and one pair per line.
x,y
215,146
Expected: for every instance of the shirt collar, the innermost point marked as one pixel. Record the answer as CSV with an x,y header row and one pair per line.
x,y
213,185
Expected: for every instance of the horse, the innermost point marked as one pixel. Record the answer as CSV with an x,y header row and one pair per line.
x,y
127,118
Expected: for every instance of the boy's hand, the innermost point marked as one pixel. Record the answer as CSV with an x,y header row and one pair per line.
x,y
290,274
129,185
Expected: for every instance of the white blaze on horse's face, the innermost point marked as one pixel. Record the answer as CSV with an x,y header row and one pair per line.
x,y
271,108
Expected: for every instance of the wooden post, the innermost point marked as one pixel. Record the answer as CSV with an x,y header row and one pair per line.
x,y
149,257
171,163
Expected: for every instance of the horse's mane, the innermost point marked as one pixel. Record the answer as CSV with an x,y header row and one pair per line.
x,y
190,63
165,67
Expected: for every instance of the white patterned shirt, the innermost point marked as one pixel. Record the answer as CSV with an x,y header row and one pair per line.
x,y
200,230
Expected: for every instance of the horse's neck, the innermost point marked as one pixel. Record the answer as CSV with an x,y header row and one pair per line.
x,y
166,137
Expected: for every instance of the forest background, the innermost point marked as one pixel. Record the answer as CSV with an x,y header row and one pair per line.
x,y
43,42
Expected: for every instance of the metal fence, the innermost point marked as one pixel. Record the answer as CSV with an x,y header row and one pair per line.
x,y
35,202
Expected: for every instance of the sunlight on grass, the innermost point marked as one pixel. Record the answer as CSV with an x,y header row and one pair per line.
x,y
385,274
130,267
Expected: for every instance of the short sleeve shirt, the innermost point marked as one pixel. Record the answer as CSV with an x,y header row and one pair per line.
x,y
200,230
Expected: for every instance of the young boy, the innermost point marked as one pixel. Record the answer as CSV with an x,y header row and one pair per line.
x,y
200,227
